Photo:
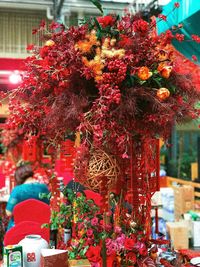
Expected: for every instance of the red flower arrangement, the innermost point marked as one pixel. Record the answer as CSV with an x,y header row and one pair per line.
x,y
112,68
124,243
113,79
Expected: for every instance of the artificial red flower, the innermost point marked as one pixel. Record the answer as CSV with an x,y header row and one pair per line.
x,y
93,254
44,51
163,17
54,25
143,249
124,41
30,47
194,58
106,21
94,221
179,37
168,37
176,4
129,243
140,26
42,24
130,256
89,232
195,38
34,31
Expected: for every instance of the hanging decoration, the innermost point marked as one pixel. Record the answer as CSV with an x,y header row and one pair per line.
x,y
99,167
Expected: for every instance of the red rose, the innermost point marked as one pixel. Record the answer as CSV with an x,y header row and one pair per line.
x,y
129,243
140,26
130,256
93,254
143,250
106,21
89,232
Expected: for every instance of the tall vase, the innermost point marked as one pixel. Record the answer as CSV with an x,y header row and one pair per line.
x,y
32,245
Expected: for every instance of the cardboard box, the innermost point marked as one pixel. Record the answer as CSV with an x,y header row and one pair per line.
x,y
79,263
13,256
183,200
167,196
54,258
178,233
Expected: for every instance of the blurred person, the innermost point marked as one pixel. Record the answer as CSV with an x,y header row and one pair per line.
x,y
26,188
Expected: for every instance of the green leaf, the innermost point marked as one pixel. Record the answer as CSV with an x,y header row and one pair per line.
x,y
157,82
98,5
97,24
141,82
85,250
172,88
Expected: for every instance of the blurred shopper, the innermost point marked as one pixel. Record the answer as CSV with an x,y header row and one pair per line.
x,y
26,188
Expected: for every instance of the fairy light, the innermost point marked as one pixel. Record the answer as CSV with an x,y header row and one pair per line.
x,y
15,77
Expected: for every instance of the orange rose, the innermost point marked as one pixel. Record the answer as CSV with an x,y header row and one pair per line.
x,y
144,73
164,70
163,93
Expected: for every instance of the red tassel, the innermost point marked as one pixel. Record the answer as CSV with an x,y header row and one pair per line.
x,y
156,221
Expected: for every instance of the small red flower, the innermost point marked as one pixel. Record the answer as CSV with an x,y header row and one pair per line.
x,y
179,37
30,47
34,31
163,17
195,38
125,41
130,256
194,58
129,243
140,26
106,21
176,4
42,24
143,250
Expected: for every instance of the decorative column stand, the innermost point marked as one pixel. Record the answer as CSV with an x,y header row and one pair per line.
x,y
144,178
